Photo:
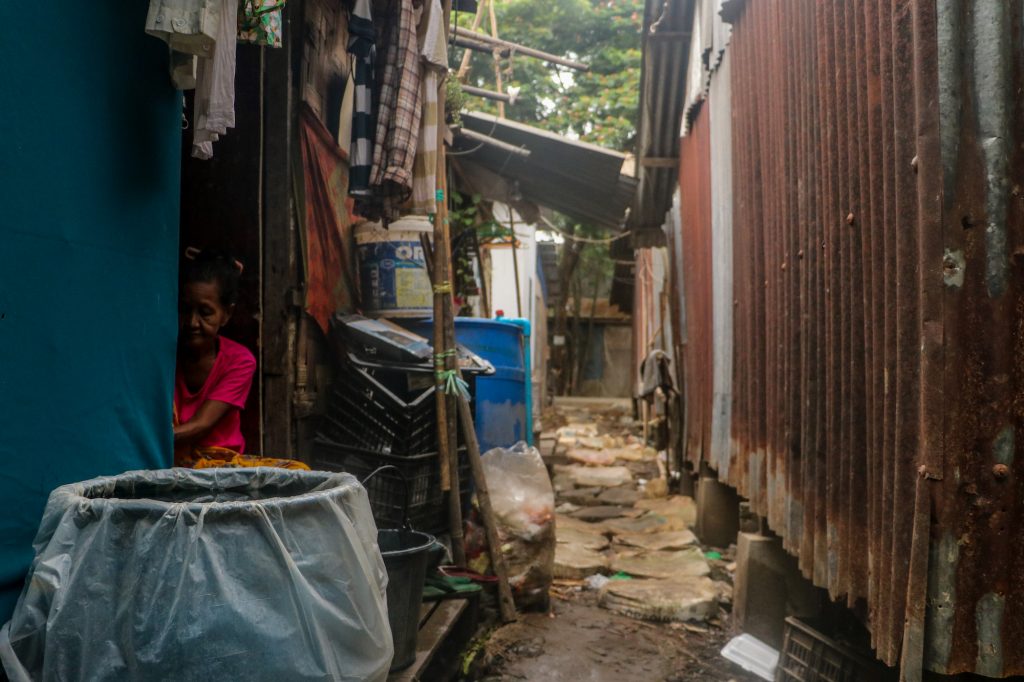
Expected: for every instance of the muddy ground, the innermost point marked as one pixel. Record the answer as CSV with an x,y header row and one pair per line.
x,y
579,639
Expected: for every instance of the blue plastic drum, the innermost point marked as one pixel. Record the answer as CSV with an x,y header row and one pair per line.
x,y
500,412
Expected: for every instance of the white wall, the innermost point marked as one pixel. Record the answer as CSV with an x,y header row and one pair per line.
x,y
502,292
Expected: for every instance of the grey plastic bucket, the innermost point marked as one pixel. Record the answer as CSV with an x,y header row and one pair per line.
x,y
405,554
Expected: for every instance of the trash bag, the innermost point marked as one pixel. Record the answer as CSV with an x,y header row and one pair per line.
x,y
524,504
254,574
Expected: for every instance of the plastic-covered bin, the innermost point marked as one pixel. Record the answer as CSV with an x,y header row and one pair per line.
x,y
254,574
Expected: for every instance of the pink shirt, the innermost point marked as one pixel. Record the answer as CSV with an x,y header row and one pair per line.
x,y
229,382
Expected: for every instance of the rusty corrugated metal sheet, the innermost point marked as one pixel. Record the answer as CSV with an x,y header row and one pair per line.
x,y
878,363
695,226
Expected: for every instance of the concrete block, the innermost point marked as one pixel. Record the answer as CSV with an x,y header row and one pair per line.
x,y
718,513
768,587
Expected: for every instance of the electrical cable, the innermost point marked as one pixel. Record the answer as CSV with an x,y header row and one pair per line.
x,y
584,240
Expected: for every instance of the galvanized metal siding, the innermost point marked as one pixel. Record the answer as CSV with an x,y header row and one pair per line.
x,y
695,224
977,567
720,103
878,363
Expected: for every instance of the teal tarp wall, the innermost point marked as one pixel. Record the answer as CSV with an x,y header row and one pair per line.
x,y
90,134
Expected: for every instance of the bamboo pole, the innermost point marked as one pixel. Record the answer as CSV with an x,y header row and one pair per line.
x,y
447,324
443,445
497,56
487,94
464,66
506,605
515,259
508,47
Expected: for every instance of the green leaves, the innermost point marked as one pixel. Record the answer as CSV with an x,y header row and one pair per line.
x,y
598,106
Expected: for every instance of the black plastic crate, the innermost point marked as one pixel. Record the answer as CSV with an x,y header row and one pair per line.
x,y
428,505
810,656
363,413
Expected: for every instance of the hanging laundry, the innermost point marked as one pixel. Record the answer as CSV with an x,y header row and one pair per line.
x,y
434,68
259,22
398,118
189,26
207,29
362,47
215,84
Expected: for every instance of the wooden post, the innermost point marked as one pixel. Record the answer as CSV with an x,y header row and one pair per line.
x,y
443,445
506,605
446,324
515,260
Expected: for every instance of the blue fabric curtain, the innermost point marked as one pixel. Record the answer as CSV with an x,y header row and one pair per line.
x,y
90,155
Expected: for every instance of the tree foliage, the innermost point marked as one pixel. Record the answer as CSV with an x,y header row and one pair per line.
x,y
597,106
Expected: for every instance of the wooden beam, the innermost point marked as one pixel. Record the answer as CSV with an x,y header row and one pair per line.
x,y
669,36
659,162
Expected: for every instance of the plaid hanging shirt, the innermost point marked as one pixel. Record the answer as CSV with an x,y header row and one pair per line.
x,y
398,119
362,47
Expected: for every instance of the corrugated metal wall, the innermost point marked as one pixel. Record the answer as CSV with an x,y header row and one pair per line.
x,y
695,220
878,258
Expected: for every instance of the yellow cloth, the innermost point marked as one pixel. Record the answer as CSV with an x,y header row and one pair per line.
x,y
218,458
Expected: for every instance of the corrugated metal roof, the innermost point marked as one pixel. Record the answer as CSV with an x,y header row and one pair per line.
x,y
580,180
666,47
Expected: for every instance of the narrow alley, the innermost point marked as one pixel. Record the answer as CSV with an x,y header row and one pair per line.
x,y
501,340
634,596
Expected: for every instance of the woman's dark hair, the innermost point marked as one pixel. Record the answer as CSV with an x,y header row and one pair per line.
x,y
211,265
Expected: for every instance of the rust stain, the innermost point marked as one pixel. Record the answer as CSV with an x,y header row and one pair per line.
x,y
878,328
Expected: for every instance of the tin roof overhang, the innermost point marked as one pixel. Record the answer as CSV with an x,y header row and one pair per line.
x,y
581,180
666,49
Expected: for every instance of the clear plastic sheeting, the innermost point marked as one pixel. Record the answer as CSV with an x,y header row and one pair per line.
x,y
255,574
524,503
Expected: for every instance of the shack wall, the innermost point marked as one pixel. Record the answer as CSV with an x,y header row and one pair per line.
x,y
89,164
878,310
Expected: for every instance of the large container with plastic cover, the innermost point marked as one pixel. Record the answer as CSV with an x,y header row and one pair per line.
x,y
218,574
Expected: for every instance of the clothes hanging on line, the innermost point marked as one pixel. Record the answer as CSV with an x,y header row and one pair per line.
x,y
434,67
189,26
215,85
202,36
362,47
398,119
259,22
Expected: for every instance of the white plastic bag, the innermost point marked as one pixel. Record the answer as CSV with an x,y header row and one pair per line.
x,y
524,503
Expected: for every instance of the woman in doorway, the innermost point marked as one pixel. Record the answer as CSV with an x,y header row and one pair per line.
x,y
214,373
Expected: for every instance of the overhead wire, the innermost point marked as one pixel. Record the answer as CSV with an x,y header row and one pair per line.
x,y
584,240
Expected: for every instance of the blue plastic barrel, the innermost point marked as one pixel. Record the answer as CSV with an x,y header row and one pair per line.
x,y
500,413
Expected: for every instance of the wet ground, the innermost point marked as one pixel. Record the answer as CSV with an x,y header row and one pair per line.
x,y
667,617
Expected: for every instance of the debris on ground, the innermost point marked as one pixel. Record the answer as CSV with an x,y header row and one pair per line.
x,y
604,477
670,599
636,595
